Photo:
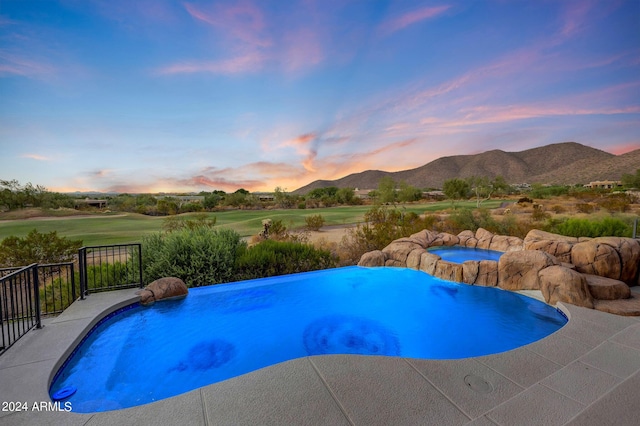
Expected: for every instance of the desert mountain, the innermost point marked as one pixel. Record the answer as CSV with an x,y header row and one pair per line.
x,y
561,163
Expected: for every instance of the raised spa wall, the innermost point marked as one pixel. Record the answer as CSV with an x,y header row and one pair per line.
x,y
589,272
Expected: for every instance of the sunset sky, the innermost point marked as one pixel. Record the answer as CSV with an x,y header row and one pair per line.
x,y
160,95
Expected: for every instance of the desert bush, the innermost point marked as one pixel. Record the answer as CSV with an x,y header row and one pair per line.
x,y
199,256
540,191
270,258
607,227
37,247
314,222
584,208
199,220
538,214
616,202
382,225
558,209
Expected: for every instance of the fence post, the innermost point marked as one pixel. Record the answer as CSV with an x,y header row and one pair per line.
x,y
73,282
36,290
82,258
140,264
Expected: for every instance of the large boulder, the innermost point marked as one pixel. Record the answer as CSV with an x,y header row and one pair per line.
x,y
163,289
560,284
424,238
518,270
603,288
470,270
372,258
398,251
414,258
595,258
506,243
445,239
428,262
484,238
483,273
487,273
556,245
628,250
467,239
449,271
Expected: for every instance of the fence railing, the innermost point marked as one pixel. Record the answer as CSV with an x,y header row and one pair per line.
x,y
30,292
112,267
19,304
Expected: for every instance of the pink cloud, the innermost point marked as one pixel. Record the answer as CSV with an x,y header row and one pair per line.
x,y
36,157
407,19
240,65
575,17
243,21
302,49
17,65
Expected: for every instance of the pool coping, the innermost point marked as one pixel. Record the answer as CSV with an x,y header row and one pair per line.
x,y
585,373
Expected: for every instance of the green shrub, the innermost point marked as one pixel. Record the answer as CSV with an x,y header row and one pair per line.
x,y
270,258
199,256
109,275
37,247
607,227
314,222
57,296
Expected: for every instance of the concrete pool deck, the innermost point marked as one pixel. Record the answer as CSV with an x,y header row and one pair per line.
x,y
587,373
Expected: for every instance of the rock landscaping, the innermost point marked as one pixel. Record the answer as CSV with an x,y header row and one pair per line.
x,y
591,272
163,289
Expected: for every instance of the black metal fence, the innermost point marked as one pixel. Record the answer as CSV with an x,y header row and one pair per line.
x,y
112,267
19,304
28,293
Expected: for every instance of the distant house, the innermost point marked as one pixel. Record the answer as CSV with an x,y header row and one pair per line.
x,y
363,194
264,196
604,184
434,195
88,202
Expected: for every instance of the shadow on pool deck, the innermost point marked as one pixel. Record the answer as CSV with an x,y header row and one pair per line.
x,y
587,373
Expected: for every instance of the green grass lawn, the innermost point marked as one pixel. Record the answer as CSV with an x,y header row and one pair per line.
x,y
102,230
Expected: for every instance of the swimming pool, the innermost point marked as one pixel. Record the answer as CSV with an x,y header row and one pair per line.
x,y
459,254
145,354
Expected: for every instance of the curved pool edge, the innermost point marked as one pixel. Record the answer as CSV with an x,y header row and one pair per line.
x,y
112,302
118,307
226,402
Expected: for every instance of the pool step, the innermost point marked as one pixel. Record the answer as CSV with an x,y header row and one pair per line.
x,y
602,288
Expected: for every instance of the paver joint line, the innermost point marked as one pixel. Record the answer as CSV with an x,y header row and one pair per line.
x,y
333,395
205,413
436,387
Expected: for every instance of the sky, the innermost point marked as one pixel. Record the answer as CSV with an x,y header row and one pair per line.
x,y
189,96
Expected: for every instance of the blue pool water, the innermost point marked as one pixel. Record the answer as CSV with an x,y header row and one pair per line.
x,y
145,354
459,254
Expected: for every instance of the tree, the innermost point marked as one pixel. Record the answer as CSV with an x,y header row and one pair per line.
x,y
211,201
37,248
481,187
456,189
282,199
387,190
346,195
631,180
407,193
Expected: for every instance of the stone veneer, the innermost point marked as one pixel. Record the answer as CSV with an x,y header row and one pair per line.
x,y
589,272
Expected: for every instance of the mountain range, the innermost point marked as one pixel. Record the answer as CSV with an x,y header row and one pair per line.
x,y
564,163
